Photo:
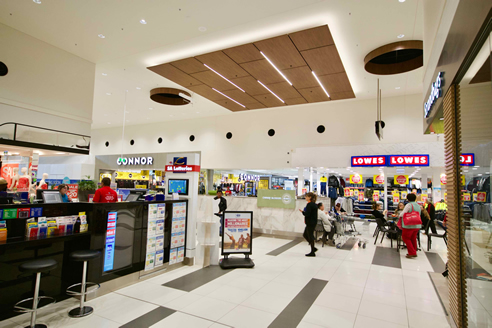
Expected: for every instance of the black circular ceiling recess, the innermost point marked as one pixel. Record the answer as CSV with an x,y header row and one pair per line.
x,y
229,135
169,96
395,58
107,143
159,140
321,128
271,132
3,69
192,138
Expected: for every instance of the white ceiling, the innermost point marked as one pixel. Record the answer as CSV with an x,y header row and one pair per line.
x,y
172,33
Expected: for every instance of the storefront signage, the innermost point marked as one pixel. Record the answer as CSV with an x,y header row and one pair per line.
x,y
73,191
480,196
378,179
368,160
110,240
443,179
182,168
466,197
248,177
130,176
401,179
361,196
237,237
435,93
375,196
424,198
467,159
396,197
276,198
355,179
135,161
391,160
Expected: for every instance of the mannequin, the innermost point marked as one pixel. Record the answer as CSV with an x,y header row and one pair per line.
x,y
24,180
42,184
15,178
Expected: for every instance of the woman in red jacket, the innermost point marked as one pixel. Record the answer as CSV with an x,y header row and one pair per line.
x,y
105,194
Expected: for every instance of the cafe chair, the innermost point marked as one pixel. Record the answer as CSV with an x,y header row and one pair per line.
x,y
444,236
83,256
36,267
385,230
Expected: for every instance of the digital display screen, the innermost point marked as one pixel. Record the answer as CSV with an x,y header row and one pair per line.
x,y
52,197
132,197
178,186
110,241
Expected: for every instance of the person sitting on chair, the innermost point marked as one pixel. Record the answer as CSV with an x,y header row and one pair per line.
x,y
329,229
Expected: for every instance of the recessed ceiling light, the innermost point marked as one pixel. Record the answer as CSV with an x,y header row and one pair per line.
x,y
271,92
229,97
400,36
108,93
319,82
37,1
143,21
210,68
442,119
275,67
202,29
101,36
109,122
104,74
198,112
60,153
402,1
150,108
397,88
474,168
480,175
138,88
477,166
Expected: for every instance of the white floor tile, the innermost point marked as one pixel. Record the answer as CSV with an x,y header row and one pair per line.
x,y
326,317
366,322
218,325
305,324
207,288
421,292
182,320
281,289
151,293
9,324
385,269
267,302
389,287
182,301
119,308
209,308
479,318
344,289
91,321
419,319
325,273
248,283
339,302
377,296
231,294
383,312
425,305
246,317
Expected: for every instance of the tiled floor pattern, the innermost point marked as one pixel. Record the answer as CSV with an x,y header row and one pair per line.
x,y
350,291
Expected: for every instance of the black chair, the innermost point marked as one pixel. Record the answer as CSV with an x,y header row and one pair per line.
x,y
83,256
384,229
444,236
36,267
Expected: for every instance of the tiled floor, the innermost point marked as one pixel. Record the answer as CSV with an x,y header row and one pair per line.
x,y
354,293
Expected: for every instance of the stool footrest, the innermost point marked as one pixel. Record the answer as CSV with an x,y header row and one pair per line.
x,y
87,286
19,308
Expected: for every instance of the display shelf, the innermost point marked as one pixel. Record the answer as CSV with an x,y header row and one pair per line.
x,y
208,222
208,245
24,239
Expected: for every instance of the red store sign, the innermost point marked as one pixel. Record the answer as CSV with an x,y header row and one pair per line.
x,y
182,168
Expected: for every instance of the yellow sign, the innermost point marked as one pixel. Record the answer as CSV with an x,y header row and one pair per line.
x,y
346,192
104,175
404,195
463,180
424,198
466,197
356,179
401,179
141,186
351,193
145,173
158,173
263,184
130,176
378,179
231,176
375,196
396,198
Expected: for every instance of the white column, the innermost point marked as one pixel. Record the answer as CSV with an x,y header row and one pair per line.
x,y
437,190
385,196
300,181
311,179
424,185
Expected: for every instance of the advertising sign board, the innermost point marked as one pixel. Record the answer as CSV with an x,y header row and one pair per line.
x,y
237,237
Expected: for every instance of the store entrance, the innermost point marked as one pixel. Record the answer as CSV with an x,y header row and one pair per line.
x,y
126,181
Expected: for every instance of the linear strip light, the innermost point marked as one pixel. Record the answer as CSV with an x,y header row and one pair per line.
x,y
229,98
321,84
210,68
279,72
271,91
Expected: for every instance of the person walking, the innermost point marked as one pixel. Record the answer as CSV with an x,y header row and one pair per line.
x,y
431,209
410,231
329,230
222,209
310,219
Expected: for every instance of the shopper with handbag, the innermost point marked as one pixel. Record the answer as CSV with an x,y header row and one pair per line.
x,y
410,224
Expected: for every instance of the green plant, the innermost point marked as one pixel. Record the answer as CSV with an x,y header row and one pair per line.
x,y
87,184
212,192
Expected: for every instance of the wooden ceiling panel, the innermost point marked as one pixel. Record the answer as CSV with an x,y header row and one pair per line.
x,y
172,73
244,53
324,60
269,100
189,65
230,105
312,38
335,82
284,90
221,63
295,101
250,85
255,105
301,77
240,96
213,80
207,92
315,94
263,71
281,51
342,95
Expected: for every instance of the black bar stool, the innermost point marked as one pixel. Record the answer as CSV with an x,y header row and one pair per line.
x,y
37,267
83,256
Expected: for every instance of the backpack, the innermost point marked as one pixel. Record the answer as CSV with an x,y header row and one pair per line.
x,y
369,183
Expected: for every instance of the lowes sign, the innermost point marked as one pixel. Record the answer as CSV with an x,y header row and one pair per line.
x,y
135,161
390,160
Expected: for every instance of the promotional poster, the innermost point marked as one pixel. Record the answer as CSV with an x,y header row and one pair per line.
x,y
238,228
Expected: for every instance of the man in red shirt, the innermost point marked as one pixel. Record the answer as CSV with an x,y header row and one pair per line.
x,y
105,194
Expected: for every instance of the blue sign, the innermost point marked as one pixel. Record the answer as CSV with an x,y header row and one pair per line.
x,y
1,214
435,93
36,212
110,239
180,161
467,159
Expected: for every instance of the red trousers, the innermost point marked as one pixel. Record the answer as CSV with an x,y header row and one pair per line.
x,y
409,237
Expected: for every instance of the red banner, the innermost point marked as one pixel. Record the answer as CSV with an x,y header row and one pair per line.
x,y
182,168
73,191
8,172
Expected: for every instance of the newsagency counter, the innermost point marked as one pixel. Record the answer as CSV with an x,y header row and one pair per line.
x,y
136,239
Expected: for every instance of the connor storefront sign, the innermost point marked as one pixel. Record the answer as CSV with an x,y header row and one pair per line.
x,y
144,160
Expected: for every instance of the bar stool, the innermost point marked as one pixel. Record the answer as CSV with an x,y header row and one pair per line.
x,y
83,256
37,267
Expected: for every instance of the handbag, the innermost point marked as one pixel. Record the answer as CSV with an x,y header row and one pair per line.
x,y
410,219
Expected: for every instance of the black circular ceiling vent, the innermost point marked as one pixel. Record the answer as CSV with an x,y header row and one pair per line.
x,y
170,96
395,58
3,69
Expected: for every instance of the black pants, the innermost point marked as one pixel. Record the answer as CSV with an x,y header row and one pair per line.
x,y
432,226
309,234
328,234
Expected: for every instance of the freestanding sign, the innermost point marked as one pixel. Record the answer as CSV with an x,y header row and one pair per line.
x,y
237,238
